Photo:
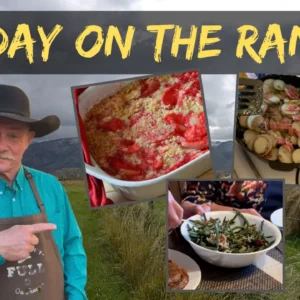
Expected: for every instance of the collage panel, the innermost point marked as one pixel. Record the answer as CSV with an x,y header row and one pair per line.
x,y
267,127
43,199
136,133
225,236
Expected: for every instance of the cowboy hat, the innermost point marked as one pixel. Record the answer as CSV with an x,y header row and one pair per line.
x,y
14,105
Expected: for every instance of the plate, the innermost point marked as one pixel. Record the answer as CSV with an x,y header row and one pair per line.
x,y
190,265
277,217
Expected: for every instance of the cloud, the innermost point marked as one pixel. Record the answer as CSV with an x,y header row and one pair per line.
x,y
221,133
51,94
219,95
230,105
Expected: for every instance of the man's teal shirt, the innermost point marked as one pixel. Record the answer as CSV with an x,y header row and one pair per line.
x,y
19,201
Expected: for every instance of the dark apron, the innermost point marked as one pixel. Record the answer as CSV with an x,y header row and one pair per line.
x,y
41,275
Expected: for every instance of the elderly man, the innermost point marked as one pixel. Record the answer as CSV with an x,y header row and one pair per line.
x,y
41,251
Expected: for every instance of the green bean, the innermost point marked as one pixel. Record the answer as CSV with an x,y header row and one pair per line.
x,y
261,226
237,239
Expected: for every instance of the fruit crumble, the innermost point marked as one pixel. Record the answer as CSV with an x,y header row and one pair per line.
x,y
149,128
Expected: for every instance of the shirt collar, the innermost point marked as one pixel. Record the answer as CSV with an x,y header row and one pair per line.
x,y
18,182
20,178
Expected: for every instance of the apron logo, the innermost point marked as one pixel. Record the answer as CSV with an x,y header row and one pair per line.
x,y
27,270
29,291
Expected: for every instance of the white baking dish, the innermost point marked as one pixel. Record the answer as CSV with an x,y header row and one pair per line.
x,y
136,190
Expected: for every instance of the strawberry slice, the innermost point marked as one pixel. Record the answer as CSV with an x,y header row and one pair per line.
x,y
136,117
115,124
125,168
170,97
132,149
147,89
202,118
129,147
158,162
152,159
195,144
191,119
194,89
174,118
195,132
178,120
186,76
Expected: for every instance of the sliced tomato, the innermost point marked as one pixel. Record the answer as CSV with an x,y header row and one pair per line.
x,y
115,124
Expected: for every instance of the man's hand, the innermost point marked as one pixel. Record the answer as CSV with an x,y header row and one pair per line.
x,y
17,242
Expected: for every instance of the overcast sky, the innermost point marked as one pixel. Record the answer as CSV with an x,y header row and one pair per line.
x,y
51,94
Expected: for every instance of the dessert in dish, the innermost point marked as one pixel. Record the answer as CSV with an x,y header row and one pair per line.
x,y
178,277
149,128
275,134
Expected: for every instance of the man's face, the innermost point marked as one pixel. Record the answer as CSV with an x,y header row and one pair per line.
x,y
15,138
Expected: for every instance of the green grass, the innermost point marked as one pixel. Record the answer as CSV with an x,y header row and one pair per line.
x,y
125,247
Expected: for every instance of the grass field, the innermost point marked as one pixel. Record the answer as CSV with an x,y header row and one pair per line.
x,y
125,247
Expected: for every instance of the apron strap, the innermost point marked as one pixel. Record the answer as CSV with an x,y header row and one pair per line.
x,y
42,208
35,192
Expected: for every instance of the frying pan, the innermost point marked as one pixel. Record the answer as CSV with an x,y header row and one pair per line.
x,y
275,165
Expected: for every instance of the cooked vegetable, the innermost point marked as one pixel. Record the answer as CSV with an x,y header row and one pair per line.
x,y
225,237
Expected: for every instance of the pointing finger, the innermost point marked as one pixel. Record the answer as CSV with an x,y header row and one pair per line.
x,y
41,227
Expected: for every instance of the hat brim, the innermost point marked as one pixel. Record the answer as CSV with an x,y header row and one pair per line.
x,y
41,127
